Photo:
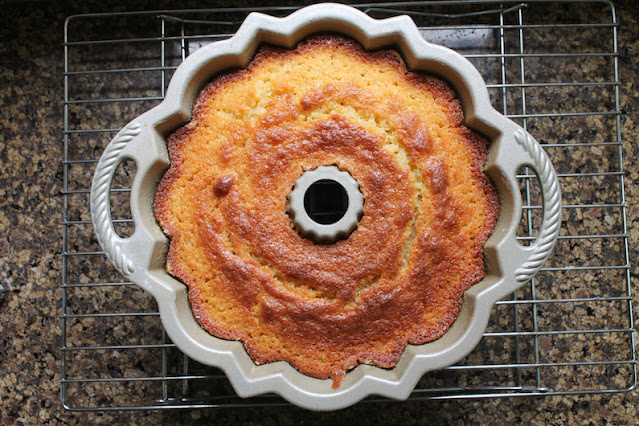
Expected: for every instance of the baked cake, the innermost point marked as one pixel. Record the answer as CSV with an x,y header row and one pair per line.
x,y
398,279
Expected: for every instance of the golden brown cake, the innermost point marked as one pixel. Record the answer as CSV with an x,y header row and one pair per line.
x,y
398,278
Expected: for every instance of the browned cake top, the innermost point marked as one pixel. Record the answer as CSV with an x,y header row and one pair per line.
x,y
398,278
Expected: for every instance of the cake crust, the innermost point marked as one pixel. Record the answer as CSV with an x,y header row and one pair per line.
x,y
398,279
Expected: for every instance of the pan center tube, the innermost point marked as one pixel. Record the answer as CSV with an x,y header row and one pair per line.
x,y
326,204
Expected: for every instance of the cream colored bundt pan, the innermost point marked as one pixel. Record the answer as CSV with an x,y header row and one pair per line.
x,y
141,257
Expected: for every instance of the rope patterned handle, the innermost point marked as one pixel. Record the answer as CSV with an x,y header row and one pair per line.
x,y
100,188
552,207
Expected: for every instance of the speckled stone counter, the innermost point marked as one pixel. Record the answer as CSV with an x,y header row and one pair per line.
x,y
31,149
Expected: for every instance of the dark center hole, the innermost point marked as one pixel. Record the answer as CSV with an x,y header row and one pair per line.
x,y
326,201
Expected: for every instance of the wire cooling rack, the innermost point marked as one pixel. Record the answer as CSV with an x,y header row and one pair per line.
x,y
550,66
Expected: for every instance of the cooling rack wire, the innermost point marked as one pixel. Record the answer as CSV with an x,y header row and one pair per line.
x,y
550,66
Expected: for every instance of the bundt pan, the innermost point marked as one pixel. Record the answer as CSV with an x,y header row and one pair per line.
x,y
141,257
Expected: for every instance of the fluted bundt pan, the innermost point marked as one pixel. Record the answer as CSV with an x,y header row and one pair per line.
x,y
141,257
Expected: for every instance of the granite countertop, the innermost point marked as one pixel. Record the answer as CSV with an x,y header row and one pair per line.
x,y
31,206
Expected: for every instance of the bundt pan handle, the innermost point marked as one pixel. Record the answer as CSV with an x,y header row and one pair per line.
x,y
134,256
533,257
141,257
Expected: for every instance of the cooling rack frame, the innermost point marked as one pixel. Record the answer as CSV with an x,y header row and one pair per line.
x,y
495,35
